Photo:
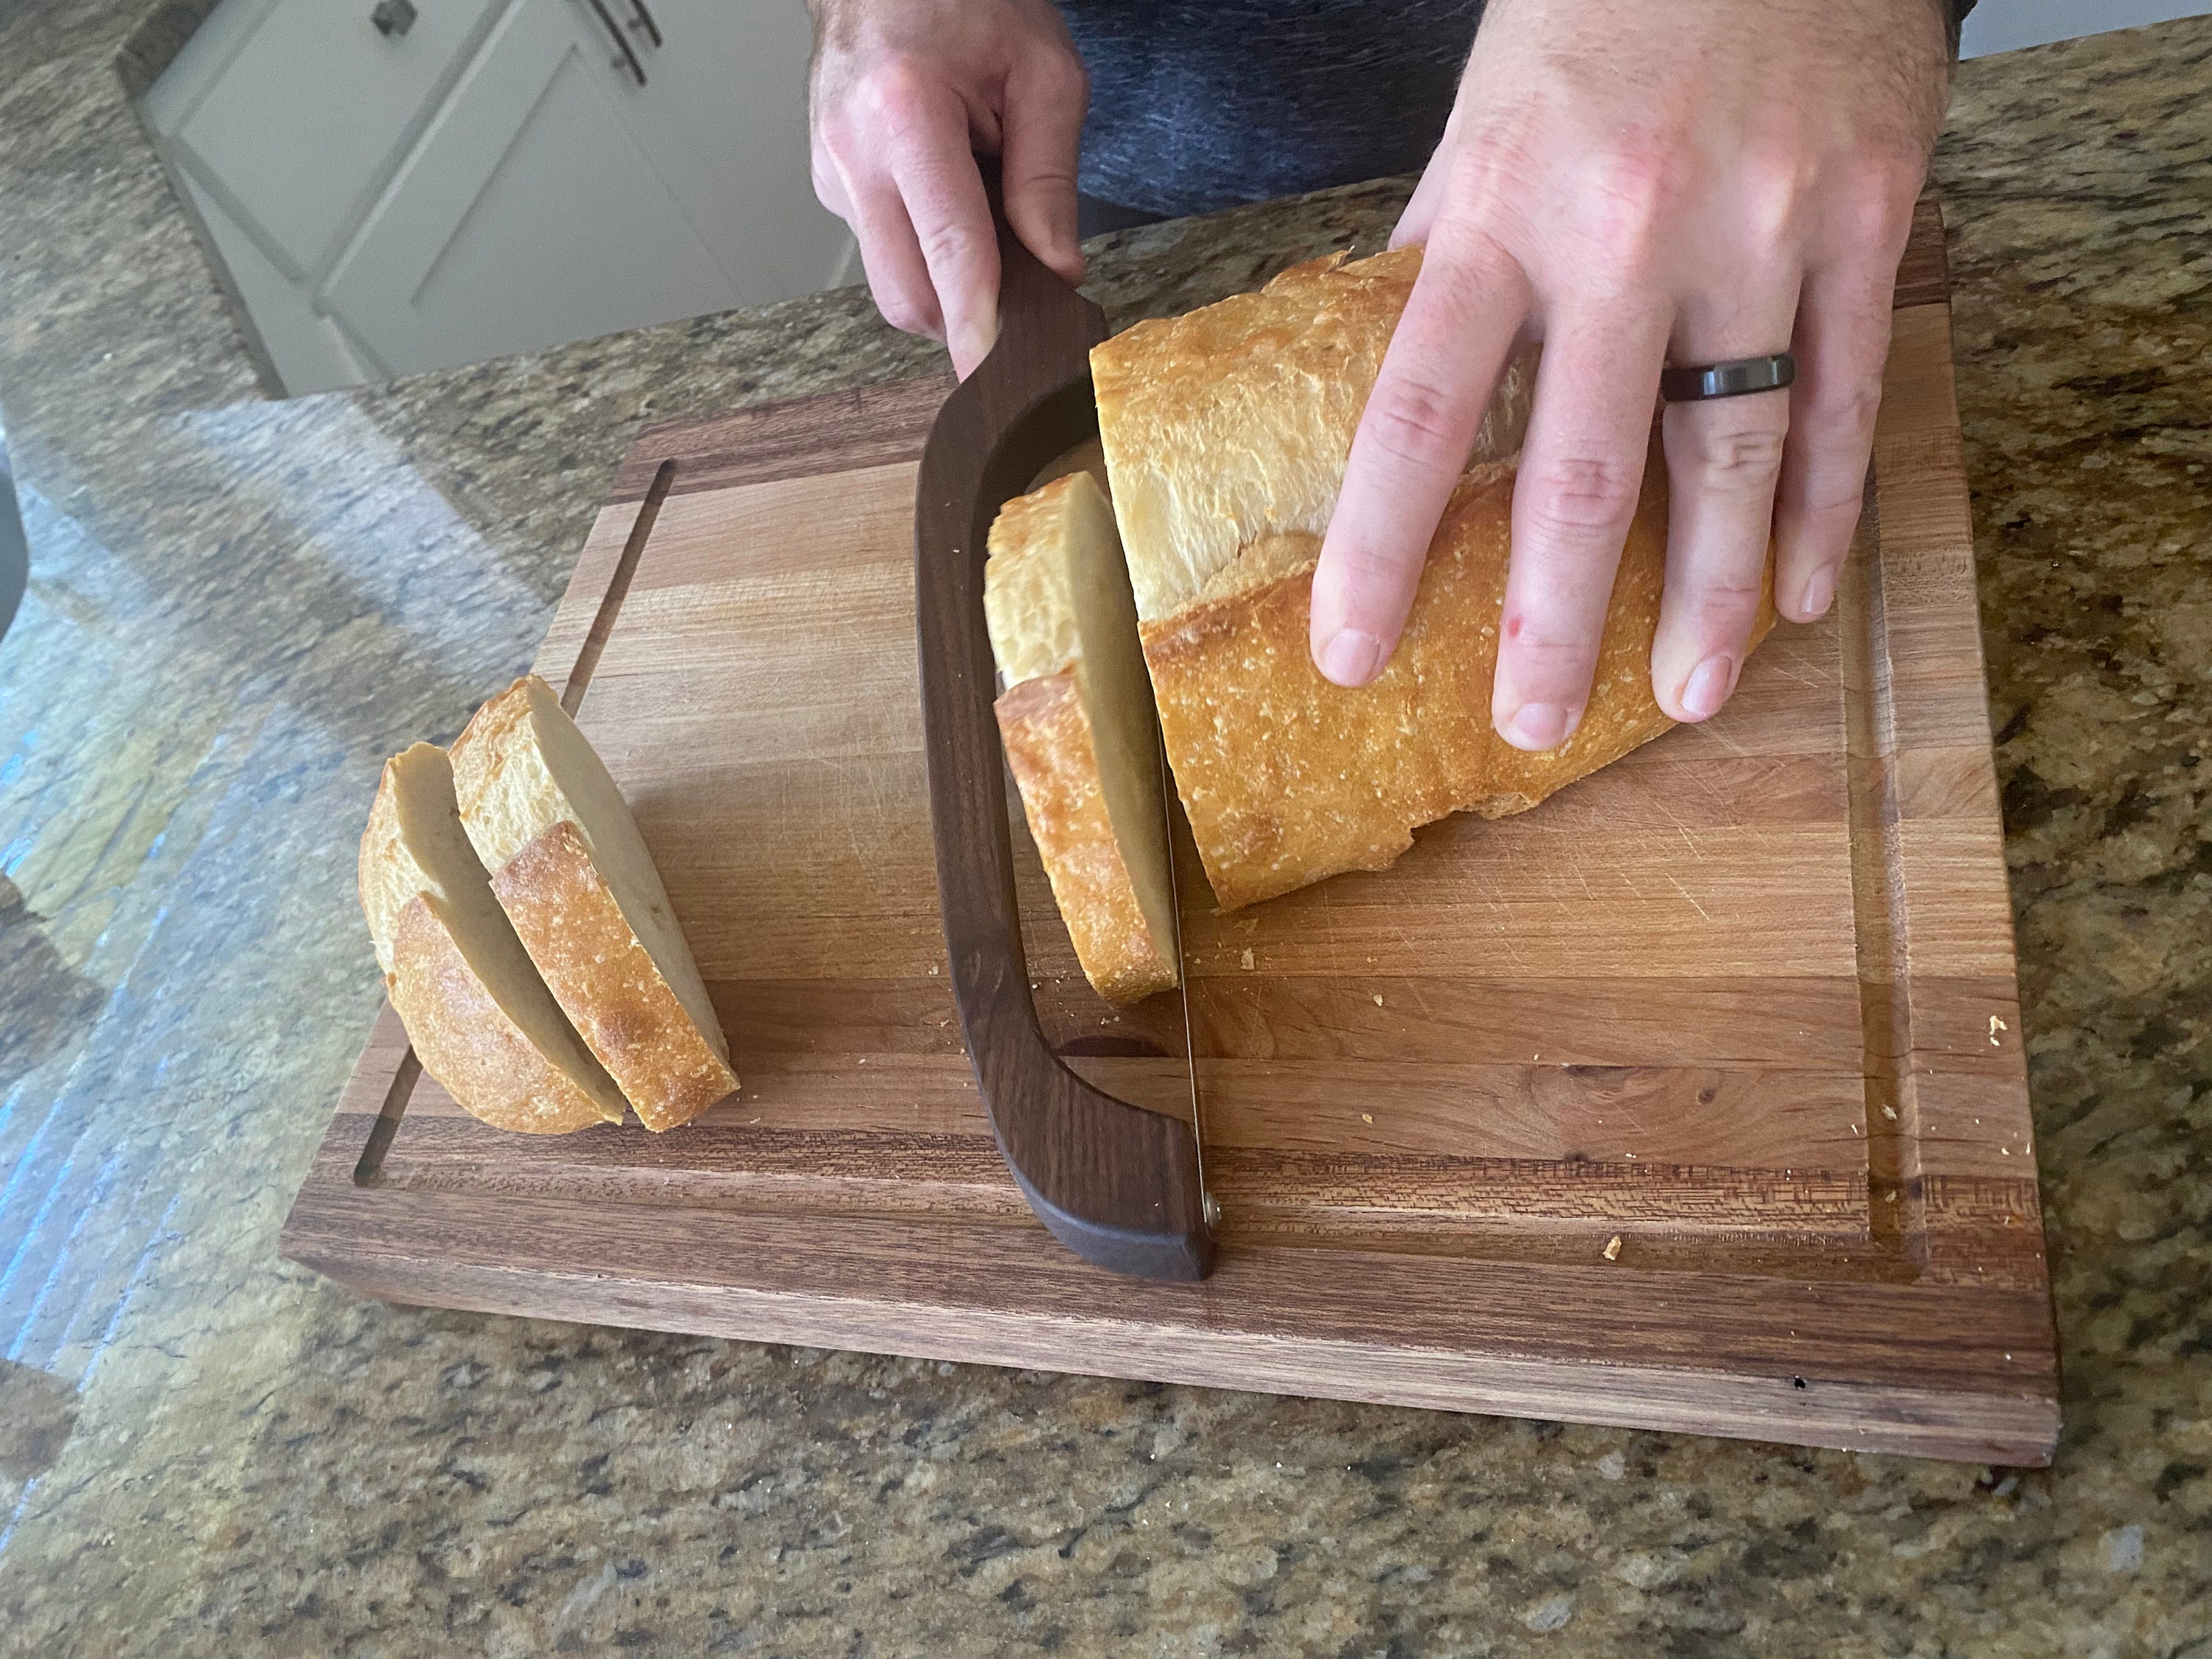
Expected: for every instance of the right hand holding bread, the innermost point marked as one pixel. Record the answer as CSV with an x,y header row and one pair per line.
x,y
1226,433
1629,184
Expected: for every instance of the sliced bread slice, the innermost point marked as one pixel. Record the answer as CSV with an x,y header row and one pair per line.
x,y
1080,734
475,1009
573,873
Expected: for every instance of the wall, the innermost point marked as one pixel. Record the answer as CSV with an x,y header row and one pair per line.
x,y
2003,25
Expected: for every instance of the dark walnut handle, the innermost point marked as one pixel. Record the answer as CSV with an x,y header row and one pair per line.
x,y
1116,1184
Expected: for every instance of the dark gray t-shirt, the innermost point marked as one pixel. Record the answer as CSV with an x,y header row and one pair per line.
x,y
1196,106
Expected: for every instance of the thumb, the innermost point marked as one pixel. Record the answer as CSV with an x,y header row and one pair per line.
x,y
1047,96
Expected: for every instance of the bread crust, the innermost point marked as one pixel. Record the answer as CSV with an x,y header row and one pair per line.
x,y
464,1039
460,1030
1027,608
1288,779
1235,420
604,978
1048,745
528,825
1227,433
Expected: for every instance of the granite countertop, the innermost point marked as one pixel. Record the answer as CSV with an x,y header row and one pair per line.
x,y
239,607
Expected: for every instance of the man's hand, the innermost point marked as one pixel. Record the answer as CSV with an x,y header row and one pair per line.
x,y
901,95
1634,183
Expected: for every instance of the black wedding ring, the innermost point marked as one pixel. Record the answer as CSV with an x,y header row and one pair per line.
x,y
1737,378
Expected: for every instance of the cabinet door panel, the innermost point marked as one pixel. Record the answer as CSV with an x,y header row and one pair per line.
x,y
306,119
724,116
527,214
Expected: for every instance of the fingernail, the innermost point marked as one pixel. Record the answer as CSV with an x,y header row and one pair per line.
x,y
1538,726
1351,656
1819,591
1709,686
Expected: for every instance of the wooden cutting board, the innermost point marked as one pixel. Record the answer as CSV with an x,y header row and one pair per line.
x,y
1694,1099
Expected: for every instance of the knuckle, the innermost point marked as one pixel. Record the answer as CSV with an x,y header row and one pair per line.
x,y
1539,651
1723,602
1631,188
1739,459
1771,187
895,95
1846,412
1577,495
949,246
903,313
1873,208
1061,75
1417,423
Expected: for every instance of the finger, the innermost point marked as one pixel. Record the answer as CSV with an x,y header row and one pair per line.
x,y
890,257
829,182
1412,442
1582,471
934,170
1842,345
1419,217
1724,457
1046,98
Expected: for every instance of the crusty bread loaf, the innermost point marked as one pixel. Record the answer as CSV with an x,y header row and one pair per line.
x,y
476,1011
1225,435
570,869
1076,718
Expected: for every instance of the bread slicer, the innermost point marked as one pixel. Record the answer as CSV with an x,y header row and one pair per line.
x,y
1117,1184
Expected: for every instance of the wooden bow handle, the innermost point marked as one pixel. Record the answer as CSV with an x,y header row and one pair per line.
x,y
1117,1184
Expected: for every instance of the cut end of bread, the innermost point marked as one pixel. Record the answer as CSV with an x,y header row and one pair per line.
x,y
1080,733
1048,746
477,1012
575,875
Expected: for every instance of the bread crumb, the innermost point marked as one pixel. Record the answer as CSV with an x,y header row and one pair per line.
x,y
1996,1025
1247,959
1378,999
1890,1112
933,968
1367,1117
1612,1248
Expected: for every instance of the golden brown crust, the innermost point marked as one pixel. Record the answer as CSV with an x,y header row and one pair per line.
x,y
1027,607
1048,745
384,876
465,1040
1288,779
1235,422
605,980
478,1016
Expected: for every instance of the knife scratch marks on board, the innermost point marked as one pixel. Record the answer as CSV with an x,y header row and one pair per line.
x,y
1691,896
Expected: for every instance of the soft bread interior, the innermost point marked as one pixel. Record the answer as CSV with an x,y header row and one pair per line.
x,y
1056,595
577,785
1117,697
429,853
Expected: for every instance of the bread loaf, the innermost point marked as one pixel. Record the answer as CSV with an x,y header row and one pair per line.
x,y
1226,434
571,871
476,1011
1076,718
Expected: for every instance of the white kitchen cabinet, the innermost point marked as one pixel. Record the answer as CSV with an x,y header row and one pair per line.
x,y
496,176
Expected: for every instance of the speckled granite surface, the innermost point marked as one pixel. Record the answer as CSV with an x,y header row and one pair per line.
x,y
239,607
